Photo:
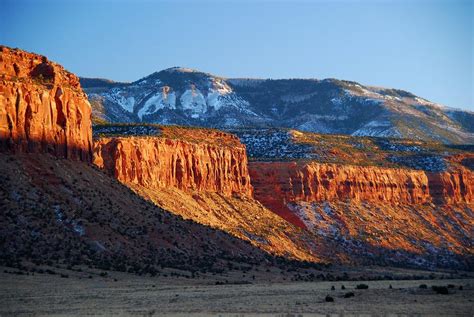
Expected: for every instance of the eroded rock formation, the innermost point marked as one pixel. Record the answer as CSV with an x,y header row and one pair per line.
x,y
42,107
279,183
157,162
453,186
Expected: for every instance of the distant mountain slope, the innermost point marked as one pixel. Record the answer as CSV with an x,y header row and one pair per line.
x,y
189,97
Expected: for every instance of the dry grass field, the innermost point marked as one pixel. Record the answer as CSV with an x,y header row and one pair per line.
x,y
121,294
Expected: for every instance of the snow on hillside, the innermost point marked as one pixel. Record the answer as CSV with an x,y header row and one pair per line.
x,y
193,101
158,101
186,96
118,96
272,143
378,129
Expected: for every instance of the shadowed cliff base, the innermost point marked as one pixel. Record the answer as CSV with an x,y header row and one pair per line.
x,y
59,212
57,149
352,235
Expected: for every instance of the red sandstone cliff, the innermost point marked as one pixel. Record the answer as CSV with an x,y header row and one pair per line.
x,y
397,215
453,186
42,107
278,183
158,162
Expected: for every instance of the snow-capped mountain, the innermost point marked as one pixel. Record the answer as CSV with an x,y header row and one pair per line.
x,y
188,97
172,96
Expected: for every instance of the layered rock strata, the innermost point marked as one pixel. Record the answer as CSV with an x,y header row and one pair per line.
x,y
157,162
42,107
279,183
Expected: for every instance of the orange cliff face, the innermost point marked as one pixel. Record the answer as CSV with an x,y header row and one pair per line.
x,y
279,183
313,181
42,107
161,161
453,186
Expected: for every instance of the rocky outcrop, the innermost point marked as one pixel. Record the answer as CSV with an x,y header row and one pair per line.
x,y
279,183
42,107
158,162
453,186
319,181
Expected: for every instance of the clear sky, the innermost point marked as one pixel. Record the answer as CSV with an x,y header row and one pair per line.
x,y
422,46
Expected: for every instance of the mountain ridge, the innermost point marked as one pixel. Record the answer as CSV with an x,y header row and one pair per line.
x,y
181,69
190,97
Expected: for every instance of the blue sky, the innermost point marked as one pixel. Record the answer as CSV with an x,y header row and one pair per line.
x,y
425,47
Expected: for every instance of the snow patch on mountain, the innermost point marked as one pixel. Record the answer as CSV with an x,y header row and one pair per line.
x,y
318,217
425,102
156,102
214,99
336,101
382,128
330,117
231,122
392,98
314,125
127,103
120,97
221,95
306,212
192,100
